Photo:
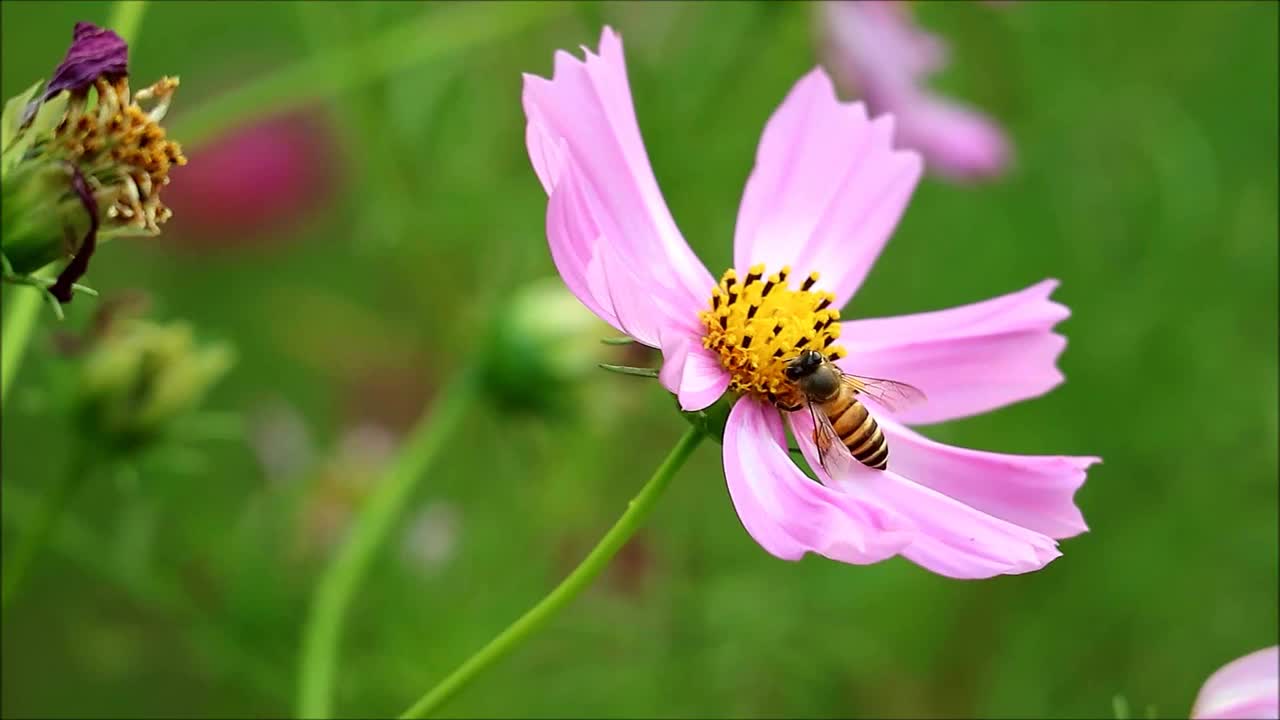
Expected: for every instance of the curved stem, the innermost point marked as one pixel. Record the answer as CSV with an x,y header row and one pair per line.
x,y
453,28
126,16
52,507
537,616
322,633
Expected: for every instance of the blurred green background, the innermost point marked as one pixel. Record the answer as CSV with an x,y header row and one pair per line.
x,y
1145,179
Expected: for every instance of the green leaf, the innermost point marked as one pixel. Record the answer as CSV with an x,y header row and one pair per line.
x,y
1120,708
628,370
13,109
50,113
47,117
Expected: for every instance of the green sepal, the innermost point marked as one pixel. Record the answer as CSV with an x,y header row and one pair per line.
x,y
14,108
712,419
46,119
41,284
629,370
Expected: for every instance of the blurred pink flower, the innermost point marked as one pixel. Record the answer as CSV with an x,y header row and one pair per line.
x,y
826,192
255,181
1245,688
875,47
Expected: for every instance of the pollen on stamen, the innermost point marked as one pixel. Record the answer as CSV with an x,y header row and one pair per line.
x,y
122,149
758,324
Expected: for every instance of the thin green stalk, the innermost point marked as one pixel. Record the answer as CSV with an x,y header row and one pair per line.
x,y
126,16
448,28
374,523
19,321
52,507
537,616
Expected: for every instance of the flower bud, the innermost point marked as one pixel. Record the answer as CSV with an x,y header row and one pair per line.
x,y
141,376
547,343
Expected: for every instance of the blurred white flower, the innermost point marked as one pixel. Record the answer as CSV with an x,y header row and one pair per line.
x,y
431,538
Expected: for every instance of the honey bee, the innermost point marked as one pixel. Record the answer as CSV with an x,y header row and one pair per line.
x,y
842,426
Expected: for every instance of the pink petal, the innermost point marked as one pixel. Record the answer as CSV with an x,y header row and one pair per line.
x,y
952,538
877,48
958,142
827,189
1033,491
955,540
967,360
690,371
790,514
876,45
583,116
1245,688
590,267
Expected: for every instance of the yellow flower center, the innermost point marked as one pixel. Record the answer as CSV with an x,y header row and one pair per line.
x,y
758,324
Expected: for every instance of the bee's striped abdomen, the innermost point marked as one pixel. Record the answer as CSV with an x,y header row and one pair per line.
x,y
858,430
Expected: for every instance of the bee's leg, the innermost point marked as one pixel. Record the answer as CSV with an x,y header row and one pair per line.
x,y
820,439
785,407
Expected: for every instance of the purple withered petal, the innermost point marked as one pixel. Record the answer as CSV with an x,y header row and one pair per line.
x,y
95,52
80,263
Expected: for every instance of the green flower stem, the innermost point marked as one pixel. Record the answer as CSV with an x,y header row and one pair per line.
x,y
19,320
46,517
448,28
374,523
126,16
537,616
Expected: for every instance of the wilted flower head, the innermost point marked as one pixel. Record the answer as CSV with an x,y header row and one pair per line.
x,y
876,49
85,162
825,194
1246,688
140,376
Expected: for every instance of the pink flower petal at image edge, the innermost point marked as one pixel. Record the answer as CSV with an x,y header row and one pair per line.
x,y
875,49
1248,687
825,194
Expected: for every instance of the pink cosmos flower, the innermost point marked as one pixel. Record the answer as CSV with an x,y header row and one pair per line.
x,y
1245,688
826,191
875,47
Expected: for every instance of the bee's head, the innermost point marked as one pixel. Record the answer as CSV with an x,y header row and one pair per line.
x,y
803,365
813,375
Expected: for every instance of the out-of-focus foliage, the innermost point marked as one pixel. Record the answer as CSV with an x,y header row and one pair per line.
x,y
1145,179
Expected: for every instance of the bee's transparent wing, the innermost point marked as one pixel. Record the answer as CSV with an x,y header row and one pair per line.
x,y
890,394
834,457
